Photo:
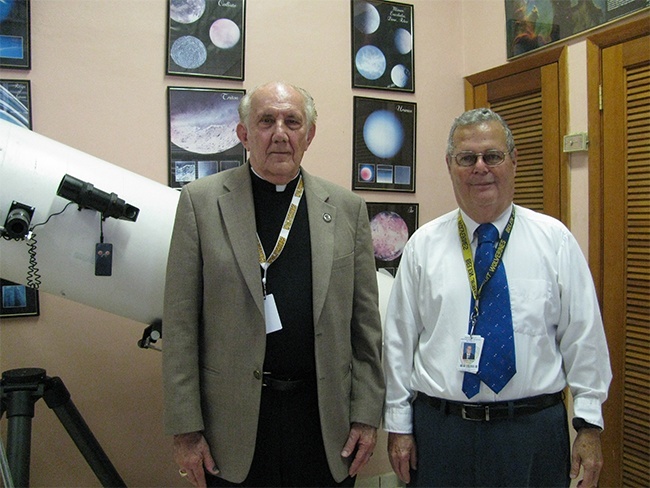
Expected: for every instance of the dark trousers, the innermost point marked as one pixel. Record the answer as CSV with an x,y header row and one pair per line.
x,y
528,450
289,448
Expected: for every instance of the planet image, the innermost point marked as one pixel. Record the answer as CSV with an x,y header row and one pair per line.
x,y
204,125
370,62
400,75
188,52
389,235
383,134
366,172
403,41
366,17
224,33
186,11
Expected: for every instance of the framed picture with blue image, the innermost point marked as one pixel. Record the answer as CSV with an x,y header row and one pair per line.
x,y
384,145
16,102
15,44
202,133
17,300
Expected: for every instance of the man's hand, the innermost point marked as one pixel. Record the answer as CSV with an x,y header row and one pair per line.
x,y
402,453
192,454
363,438
587,453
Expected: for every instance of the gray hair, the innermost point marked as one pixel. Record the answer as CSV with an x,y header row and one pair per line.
x,y
477,116
308,104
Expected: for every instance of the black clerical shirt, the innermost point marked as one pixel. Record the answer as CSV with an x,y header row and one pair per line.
x,y
290,351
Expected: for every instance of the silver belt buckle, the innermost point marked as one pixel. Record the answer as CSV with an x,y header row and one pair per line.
x,y
486,411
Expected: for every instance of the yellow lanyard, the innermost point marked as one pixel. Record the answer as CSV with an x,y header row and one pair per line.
x,y
469,261
284,233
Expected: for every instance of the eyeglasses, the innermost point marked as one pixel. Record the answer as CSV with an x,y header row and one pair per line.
x,y
469,158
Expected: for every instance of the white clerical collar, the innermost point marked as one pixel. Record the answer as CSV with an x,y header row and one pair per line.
x,y
278,188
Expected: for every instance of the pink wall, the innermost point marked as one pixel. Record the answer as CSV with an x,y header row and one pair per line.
x,y
99,85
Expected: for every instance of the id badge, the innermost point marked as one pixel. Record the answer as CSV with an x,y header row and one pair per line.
x,y
271,315
470,353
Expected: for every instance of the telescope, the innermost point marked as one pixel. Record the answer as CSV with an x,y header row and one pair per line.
x,y
134,214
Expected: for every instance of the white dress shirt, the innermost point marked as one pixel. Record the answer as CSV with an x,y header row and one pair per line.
x,y
559,336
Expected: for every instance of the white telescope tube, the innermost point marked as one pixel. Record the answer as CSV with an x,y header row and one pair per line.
x,y
31,169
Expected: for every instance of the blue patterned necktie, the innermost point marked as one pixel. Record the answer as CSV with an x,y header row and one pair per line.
x,y
497,364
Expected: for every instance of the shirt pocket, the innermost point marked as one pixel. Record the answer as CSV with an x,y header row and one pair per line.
x,y
531,305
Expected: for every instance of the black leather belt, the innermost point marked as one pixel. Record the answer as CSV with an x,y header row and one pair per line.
x,y
494,410
285,384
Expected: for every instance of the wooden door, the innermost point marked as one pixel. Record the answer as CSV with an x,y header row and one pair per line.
x,y
620,241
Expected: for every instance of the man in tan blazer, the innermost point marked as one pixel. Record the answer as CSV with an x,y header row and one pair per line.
x,y
272,335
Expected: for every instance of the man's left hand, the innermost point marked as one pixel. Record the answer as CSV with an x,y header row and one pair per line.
x,y
587,452
362,438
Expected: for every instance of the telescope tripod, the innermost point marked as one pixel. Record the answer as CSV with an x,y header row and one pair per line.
x,y
20,389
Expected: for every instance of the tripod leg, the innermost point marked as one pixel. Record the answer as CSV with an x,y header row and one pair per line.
x,y
57,397
20,389
20,412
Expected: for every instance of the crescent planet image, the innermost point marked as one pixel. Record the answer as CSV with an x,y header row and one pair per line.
x,y
186,11
400,75
403,41
366,17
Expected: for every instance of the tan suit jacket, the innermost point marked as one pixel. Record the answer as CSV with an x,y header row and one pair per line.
x,y
213,326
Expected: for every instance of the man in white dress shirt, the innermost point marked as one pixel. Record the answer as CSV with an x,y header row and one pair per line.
x,y
516,434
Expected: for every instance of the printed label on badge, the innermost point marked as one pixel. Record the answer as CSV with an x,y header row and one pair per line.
x,y
271,315
470,353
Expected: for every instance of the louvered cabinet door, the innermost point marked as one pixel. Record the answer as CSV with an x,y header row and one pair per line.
x,y
626,258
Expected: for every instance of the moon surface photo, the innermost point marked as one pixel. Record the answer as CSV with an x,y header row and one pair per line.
x,y
188,52
203,124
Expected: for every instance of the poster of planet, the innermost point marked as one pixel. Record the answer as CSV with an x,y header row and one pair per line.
x,y
206,38
391,225
382,45
384,145
15,45
202,133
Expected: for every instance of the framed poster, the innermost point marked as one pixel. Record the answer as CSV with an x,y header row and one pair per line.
x,y
202,133
206,38
382,45
391,224
532,25
384,145
16,102
15,45
17,300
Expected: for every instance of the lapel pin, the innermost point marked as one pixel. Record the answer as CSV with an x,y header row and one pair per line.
x,y
327,217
